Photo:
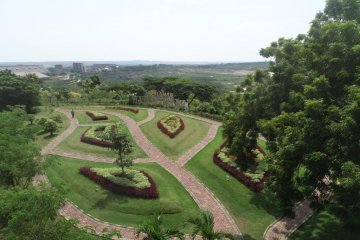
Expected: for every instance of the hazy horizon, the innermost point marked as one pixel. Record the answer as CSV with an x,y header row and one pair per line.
x,y
138,30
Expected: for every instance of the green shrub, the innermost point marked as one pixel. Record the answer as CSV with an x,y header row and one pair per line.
x,y
50,127
57,118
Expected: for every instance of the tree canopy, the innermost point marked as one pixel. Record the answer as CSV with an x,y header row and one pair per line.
x,y
307,106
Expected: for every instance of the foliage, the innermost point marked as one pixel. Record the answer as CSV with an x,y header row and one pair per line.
x,y
171,125
50,126
307,108
96,116
90,84
30,214
16,90
204,226
131,178
19,156
154,230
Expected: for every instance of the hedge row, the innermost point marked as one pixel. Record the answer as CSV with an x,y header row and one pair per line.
x,y
94,141
148,193
134,110
96,118
167,132
239,175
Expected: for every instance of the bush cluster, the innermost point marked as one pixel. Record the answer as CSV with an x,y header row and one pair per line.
x,y
149,193
89,137
171,125
95,116
134,110
253,181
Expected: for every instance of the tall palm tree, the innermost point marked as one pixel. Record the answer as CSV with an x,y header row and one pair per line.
x,y
204,226
154,231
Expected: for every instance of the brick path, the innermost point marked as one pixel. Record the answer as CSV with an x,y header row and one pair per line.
x,y
151,115
202,196
284,227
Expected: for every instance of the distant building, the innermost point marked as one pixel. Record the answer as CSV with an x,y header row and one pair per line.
x,y
59,66
23,70
79,67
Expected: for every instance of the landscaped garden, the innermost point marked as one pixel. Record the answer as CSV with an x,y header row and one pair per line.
x,y
174,204
251,211
171,125
74,144
194,131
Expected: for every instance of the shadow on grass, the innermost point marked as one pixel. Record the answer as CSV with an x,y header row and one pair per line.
x,y
108,198
266,201
248,237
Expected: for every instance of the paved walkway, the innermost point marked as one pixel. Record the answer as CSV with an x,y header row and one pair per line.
x,y
202,196
284,227
151,115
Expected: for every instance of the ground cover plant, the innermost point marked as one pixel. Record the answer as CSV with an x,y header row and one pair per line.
x,y
97,116
98,135
173,148
133,183
83,118
73,144
252,212
171,125
174,204
253,177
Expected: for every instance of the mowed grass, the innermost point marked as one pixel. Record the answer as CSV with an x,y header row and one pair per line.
x,y
42,138
324,225
137,117
251,211
83,118
73,144
174,204
193,133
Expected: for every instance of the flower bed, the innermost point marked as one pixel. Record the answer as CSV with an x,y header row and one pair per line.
x,y
135,184
93,136
96,116
245,178
134,110
171,125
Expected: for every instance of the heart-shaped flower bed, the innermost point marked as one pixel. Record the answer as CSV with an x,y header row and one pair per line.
x,y
134,183
97,116
171,125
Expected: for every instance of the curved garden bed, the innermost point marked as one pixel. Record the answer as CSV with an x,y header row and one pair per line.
x,y
96,116
171,125
89,137
236,172
138,184
134,110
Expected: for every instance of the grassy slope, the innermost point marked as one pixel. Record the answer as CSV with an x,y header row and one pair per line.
x,y
249,210
73,144
173,148
323,225
44,138
175,204
141,115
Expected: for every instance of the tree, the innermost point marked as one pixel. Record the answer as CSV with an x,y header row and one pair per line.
x,y
122,144
50,126
153,230
31,214
90,84
16,90
19,156
204,225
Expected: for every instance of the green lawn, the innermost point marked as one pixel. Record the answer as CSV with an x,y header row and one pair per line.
x,y
324,225
175,204
73,144
193,133
262,144
141,115
251,211
85,119
43,139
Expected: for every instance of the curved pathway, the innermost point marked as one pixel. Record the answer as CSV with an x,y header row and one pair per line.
x,y
281,229
202,196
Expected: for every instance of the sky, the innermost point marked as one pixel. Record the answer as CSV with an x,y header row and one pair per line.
x,y
157,30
